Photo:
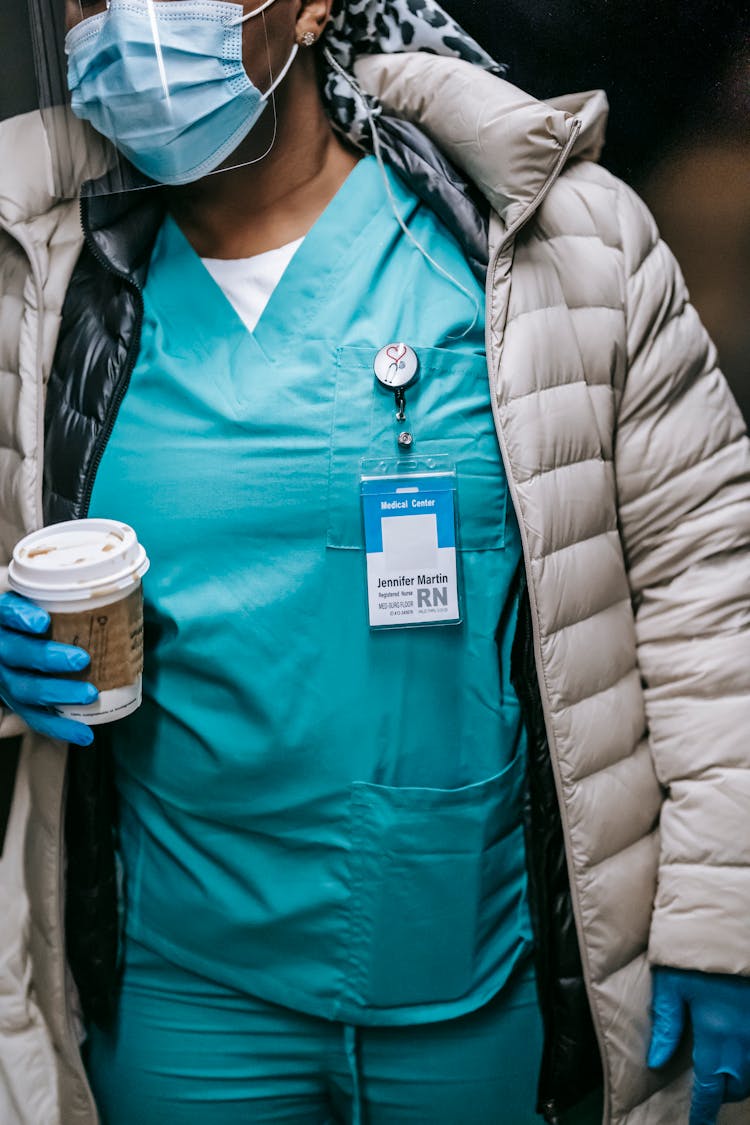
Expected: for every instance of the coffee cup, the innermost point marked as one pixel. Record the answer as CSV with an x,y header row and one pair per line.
x,y
87,575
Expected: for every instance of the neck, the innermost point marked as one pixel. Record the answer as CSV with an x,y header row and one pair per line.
x,y
260,206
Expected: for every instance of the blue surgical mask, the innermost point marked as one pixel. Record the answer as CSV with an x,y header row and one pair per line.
x,y
165,83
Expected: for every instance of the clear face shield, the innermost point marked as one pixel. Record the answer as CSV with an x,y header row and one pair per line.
x,y
138,93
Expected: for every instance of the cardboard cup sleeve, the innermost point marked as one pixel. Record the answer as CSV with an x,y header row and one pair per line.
x,y
113,637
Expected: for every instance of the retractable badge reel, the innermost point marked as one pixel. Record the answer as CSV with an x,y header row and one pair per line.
x,y
397,369
410,521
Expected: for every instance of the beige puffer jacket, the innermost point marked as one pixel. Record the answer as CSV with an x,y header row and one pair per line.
x,y
630,476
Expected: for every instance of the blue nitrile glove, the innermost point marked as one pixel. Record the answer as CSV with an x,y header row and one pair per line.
x,y
719,1007
24,652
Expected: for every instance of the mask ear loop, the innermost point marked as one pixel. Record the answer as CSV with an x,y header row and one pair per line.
x,y
378,152
271,91
257,12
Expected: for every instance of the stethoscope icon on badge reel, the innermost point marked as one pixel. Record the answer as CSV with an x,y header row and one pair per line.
x,y
396,369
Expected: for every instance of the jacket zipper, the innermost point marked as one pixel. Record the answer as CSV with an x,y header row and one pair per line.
x,y
124,381
549,1107
544,190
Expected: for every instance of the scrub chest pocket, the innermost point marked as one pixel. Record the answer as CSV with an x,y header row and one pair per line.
x,y
449,414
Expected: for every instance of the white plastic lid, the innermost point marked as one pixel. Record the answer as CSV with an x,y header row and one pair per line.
x,y
70,560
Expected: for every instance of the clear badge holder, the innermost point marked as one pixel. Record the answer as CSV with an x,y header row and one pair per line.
x,y
411,529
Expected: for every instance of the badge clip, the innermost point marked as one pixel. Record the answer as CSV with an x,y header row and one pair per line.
x,y
397,368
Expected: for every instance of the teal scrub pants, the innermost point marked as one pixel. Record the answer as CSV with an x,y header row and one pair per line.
x,y
185,1051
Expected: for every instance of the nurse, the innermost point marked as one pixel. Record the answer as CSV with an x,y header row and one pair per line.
x,y
320,823
320,804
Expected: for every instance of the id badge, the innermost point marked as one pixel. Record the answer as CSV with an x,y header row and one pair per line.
x,y
410,520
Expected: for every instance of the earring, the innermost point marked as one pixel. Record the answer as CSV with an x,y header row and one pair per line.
x,y
308,39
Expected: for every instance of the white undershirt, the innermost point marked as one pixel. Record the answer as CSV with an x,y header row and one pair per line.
x,y
248,283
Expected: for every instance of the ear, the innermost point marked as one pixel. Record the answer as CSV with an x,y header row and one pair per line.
x,y
312,18
75,11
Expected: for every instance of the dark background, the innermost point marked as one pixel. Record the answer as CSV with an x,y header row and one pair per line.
x,y
17,84
665,65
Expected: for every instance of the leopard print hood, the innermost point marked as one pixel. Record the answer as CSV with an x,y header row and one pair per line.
x,y
368,27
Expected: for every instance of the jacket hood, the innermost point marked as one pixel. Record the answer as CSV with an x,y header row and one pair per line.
x,y
504,140
381,27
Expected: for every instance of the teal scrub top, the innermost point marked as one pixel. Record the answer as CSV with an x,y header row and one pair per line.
x,y
321,815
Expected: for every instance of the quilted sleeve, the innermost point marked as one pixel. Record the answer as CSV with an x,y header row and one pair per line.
x,y
683,472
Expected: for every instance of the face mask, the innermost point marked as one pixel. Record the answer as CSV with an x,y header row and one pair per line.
x,y
165,83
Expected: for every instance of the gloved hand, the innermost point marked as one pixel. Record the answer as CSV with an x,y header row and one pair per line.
x,y
23,651
719,1009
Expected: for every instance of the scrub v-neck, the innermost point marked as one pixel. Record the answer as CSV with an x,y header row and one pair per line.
x,y
299,298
